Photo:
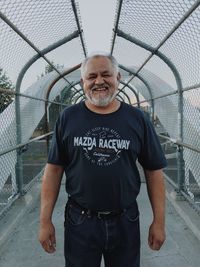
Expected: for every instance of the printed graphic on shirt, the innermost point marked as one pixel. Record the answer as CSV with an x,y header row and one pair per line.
x,y
102,146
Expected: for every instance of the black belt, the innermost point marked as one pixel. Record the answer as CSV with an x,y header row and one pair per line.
x,y
99,214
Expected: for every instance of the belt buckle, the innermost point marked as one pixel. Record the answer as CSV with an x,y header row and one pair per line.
x,y
99,213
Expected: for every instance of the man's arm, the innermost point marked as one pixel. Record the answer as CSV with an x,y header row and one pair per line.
x,y
50,189
156,192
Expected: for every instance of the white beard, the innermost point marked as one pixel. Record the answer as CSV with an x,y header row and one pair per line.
x,y
101,101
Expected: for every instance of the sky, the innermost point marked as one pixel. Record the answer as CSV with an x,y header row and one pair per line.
x,y
97,19
97,23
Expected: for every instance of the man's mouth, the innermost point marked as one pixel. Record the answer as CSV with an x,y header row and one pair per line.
x,y
99,89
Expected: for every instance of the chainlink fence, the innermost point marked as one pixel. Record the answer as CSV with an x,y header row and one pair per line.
x,y
42,44
157,44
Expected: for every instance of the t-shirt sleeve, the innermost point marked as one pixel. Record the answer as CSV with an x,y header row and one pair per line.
x,y
152,156
57,154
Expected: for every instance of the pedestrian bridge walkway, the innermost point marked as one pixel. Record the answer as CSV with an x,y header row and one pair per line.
x,y
22,248
42,44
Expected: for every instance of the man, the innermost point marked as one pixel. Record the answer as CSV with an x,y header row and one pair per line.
x,y
97,143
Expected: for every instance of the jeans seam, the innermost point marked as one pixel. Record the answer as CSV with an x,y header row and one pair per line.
x,y
106,227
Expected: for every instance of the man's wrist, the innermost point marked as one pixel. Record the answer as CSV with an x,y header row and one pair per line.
x,y
159,222
45,221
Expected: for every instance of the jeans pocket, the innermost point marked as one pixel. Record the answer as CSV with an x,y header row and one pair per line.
x,y
132,215
74,216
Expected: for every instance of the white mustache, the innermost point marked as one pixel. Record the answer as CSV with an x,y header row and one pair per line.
x,y
99,87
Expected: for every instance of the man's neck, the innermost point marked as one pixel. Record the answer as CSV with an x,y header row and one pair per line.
x,y
110,108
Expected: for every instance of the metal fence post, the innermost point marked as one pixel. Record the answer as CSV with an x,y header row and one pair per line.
x,y
180,159
19,163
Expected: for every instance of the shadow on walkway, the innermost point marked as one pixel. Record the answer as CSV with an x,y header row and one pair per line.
x,y
22,249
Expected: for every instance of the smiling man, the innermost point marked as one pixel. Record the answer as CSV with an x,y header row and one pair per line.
x,y
97,143
100,79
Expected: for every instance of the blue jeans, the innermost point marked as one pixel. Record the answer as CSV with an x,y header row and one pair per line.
x,y
87,238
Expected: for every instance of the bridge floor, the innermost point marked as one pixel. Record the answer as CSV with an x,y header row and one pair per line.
x,y
21,249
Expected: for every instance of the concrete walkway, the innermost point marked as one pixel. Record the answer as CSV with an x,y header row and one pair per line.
x,y
19,246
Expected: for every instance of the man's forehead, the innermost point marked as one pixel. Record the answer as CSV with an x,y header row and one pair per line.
x,y
102,64
104,59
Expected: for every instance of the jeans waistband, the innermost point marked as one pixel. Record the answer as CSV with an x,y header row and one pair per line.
x,y
99,214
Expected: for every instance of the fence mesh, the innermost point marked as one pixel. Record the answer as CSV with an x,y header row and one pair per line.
x,y
160,39
28,30
168,32
150,21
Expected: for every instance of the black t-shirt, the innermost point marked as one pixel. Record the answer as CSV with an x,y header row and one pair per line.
x,y
99,154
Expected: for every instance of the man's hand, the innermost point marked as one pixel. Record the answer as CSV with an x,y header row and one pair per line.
x,y
51,182
156,236
47,237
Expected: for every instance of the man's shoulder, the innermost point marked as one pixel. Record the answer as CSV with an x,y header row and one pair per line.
x,y
71,109
133,110
70,113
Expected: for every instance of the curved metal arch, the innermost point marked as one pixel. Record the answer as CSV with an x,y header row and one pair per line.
x,y
155,51
134,92
169,64
60,77
48,93
121,98
19,174
126,95
80,96
42,54
76,91
145,83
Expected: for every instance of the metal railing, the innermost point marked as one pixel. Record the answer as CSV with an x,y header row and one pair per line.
x,y
167,59
145,51
32,152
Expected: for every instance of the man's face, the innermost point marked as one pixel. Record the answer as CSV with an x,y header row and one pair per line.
x,y
100,81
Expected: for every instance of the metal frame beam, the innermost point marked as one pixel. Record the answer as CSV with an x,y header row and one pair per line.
x,y
145,83
134,92
48,93
78,26
19,174
116,25
68,88
154,51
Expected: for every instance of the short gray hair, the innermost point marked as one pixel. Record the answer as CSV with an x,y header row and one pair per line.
x,y
100,54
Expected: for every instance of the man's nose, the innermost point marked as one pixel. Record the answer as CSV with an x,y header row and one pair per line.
x,y
99,80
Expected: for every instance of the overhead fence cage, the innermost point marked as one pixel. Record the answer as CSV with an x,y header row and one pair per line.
x,y
40,43
157,44
41,46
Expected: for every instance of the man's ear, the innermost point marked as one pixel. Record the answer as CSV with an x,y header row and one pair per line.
x,y
118,76
81,82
